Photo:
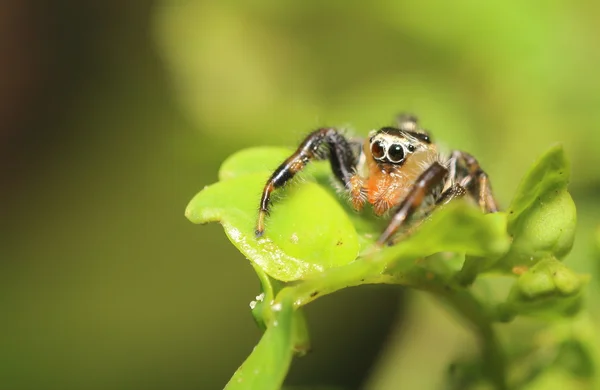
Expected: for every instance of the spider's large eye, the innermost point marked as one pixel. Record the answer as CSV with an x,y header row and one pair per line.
x,y
396,153
377,150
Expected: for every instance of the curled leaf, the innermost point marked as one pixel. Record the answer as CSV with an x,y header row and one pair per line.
x,y
458,227
549,289
309,230
301,239
252,160
542,215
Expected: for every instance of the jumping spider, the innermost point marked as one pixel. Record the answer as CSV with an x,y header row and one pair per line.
x,y
396,168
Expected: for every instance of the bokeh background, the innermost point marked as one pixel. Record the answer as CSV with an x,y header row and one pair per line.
x,y
114,114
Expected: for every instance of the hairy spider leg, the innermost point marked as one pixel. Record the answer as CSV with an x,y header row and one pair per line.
x,y
474,180
465,174
319,145
454,192
425,183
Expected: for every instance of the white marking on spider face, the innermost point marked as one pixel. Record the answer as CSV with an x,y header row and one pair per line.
x,y
408,143
396,174
361,168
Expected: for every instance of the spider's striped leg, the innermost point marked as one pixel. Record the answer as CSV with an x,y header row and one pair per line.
x,y
455,191
475,181
318,145
453,188
425,184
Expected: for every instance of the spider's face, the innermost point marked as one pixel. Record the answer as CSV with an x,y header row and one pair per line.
x,y
390,145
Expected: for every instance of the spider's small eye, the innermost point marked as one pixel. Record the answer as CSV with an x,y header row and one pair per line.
x,y
396,153
377,150
411,148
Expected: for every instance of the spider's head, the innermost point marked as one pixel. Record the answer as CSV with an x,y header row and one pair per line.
x,y
391,145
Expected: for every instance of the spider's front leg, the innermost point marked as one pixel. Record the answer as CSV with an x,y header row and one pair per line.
x,y
318,145
468,174
424,185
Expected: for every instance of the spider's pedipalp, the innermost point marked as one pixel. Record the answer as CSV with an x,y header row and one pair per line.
x,y
357,192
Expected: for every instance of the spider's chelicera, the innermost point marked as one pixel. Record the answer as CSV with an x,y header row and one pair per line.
x,y
397,168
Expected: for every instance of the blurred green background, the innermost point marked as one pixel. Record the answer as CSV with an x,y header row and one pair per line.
x,y
114,114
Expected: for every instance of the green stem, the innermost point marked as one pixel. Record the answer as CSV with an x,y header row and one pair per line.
x,y
457,297
584,330
463,302
357,273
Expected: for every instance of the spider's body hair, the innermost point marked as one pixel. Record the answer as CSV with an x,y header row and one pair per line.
x,y
383,184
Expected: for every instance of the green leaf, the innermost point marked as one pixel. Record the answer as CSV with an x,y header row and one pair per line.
x,y
268,364
300,239
556,379
542,215
253,160
266,159
458,227
550,173
576,358
309,229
